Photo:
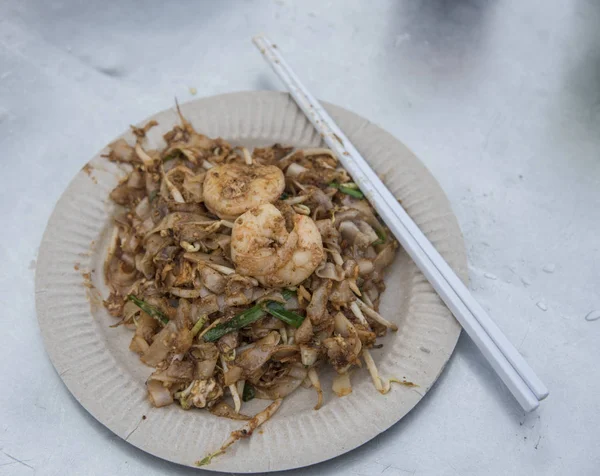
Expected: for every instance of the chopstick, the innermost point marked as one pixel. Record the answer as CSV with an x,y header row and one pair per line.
x,y
520,379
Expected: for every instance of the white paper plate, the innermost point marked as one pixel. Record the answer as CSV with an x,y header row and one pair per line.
x,y
108,380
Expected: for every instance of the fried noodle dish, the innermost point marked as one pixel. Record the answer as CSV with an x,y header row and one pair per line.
x,y
243,274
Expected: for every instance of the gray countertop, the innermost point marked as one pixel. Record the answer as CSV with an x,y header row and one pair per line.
x,y
500,99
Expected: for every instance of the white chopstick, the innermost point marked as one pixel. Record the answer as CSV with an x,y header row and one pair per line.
x,y
504,358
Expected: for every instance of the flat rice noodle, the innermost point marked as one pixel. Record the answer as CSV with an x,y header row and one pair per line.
x,y
205,350
218,241
284,351
160,347
212,280
255,377
328,270
341,294
198,257
126,258
194,208
237,299
125,195
121,276
323,176
270,322
297,371
373,293
183,272
159,395
384,257
151,186
183,314
362,206
207,356
309,355
177,219
183,341
365,267
142,210
319,198
193,232
179,169
145,263
138,344
258,294
367,230
347,214
121,151
185,293
113,246
270,155
343,326
128,312
206,368
145,226
350,268
324,329
192,188
316,310
272,295
232,375
304,333
281,389
353,234
204,307
328,231
272,338
292,304
146,325
252,359
341,385
130,246
135,180
229,342
177,372
370,253
237,283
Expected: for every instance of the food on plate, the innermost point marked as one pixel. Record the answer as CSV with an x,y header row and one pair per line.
x,y
243,274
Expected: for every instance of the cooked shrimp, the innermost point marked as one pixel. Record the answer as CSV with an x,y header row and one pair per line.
x,y
262,247
232,189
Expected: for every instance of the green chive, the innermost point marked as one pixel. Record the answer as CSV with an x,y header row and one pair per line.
x,y
277,310
382,237
149,309
244,319
199,324
241,320
353,192
248,393
170,157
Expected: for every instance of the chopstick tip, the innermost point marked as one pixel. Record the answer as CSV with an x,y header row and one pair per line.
x,y
257,38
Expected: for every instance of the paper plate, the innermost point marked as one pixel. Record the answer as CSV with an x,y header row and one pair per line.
x,y
95,364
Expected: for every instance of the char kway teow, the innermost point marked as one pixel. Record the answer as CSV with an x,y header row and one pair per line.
x,y
243,274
